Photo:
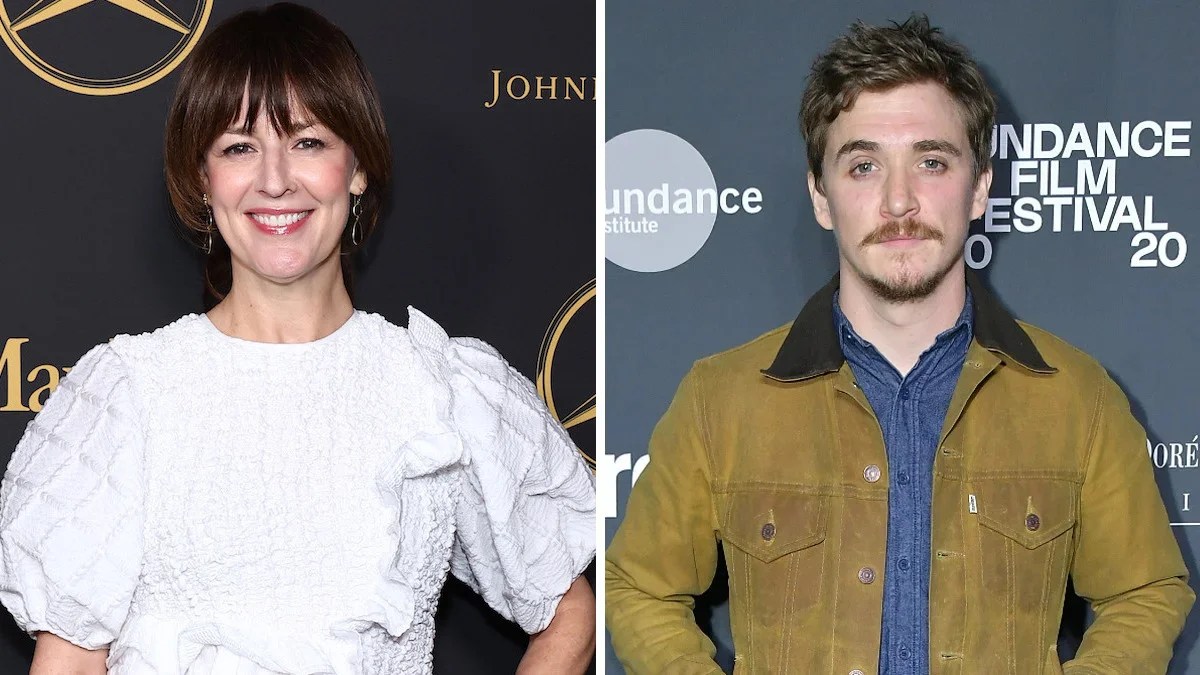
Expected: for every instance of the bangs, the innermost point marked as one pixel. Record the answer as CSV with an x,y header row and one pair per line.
x,y
275,71
265,92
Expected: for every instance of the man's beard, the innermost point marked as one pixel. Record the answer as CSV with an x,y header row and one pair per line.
x,y
905,289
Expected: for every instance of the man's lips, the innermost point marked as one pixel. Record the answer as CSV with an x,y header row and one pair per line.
x,y
902,243
278,221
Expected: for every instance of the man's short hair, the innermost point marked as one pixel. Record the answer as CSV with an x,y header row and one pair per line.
x,y
880,58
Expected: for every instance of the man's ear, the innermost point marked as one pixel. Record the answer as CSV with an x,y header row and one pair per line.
x,y
980,196
820,202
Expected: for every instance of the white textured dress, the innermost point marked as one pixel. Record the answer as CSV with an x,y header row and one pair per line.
x,y
211,505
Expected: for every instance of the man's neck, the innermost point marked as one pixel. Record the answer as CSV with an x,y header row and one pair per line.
x,y
902,331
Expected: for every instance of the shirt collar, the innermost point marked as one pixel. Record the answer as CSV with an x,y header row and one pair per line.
x,y
845,329
812,346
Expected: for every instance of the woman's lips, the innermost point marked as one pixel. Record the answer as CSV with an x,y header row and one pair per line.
x,y
279,222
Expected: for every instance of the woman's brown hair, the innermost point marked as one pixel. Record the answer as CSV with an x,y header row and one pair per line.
x,y
274,57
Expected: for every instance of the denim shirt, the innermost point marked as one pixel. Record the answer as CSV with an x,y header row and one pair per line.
x,y
911,411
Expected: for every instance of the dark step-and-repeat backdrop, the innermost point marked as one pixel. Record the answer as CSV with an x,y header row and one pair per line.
x,y
491,110
1090,232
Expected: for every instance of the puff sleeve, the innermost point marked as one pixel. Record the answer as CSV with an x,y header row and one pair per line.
x,y
71,508
526,522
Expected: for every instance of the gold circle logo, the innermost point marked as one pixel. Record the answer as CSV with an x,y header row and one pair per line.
x,y
584,411
172,52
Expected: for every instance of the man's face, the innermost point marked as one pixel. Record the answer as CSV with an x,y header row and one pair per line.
x,y
898,189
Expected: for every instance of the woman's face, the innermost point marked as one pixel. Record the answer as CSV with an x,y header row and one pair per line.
x,y
281,203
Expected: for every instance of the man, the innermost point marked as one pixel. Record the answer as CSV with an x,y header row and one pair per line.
x,y
903,480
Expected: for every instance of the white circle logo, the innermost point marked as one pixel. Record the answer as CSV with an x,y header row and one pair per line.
x,y
646,227
661,200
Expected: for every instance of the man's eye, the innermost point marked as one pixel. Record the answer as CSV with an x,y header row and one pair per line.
x,y
862,168
933,164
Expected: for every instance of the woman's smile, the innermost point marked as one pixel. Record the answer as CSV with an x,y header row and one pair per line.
x,y
278,221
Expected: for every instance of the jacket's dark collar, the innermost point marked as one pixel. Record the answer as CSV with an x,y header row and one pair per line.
x,y
811,347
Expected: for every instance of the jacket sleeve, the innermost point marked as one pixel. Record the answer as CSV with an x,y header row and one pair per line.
x,y
1127,562
665,551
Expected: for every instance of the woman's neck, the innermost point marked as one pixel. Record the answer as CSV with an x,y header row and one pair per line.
x,y
262,311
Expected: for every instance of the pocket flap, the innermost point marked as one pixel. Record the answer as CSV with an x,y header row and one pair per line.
x,y
1030,511
768,525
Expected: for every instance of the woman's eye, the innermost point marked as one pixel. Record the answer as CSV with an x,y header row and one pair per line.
x,y
310,143
236,149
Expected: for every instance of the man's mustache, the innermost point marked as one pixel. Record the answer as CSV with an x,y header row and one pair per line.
x,y
909,228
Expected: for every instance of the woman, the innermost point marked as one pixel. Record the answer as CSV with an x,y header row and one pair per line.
x,y
282,484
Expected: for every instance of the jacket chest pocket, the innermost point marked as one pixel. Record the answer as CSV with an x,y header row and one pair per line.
x,y
1026,538
773,551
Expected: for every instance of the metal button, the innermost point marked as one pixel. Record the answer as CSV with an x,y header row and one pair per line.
x,y
856,671
872,473
768,531
866,575
1032,522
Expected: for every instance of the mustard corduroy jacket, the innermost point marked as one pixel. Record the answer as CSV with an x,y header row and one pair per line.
x,y
771,454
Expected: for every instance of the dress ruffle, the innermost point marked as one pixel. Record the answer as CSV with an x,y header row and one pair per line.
x,y
149,644
526,521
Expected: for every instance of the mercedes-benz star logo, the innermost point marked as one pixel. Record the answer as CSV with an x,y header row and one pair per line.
x,y
584,411
188,28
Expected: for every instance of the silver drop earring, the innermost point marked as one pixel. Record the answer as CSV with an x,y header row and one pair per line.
x,y
208,243
356,210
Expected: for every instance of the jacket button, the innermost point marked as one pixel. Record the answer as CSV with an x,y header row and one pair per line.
x,y
872,473
866,575
856,671
1032,522
768,531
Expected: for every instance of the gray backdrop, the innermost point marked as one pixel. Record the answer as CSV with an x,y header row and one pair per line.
x,y
727,78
